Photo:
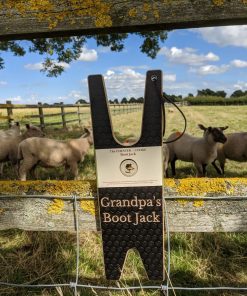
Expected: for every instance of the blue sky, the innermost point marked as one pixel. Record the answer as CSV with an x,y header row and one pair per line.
x,y
192,59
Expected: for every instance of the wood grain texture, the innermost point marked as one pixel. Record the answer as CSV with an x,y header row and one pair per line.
x,y
119,16
228,214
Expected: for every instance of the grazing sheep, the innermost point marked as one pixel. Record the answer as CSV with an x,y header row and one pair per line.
x,y
201,151
53,153
9,144
14,130
166,156
234,149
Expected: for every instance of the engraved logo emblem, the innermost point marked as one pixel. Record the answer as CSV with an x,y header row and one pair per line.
x,y
128,167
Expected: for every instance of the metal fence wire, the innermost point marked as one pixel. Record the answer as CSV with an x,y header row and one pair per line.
x,y
165,287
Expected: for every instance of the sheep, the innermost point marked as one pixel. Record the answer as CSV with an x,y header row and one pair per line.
x,y
166,156
201,151
234,149
14,130
9,144
53,153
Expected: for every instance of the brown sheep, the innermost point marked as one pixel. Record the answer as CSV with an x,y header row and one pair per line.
x,y
53,153
9,144
234,149
200,151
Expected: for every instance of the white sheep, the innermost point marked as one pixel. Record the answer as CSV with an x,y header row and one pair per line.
x,y
14,130
53,153
200,151
235,149
9,144
166,156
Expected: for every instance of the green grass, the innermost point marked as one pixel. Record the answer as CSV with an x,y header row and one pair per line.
x,y
129,125
196,259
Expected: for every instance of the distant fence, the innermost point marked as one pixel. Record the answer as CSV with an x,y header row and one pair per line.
x,y
62,114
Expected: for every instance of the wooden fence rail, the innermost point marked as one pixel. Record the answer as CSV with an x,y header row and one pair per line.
x,y
48,205
43,214
81,110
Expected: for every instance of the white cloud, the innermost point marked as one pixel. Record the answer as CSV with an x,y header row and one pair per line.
x,y
88,55
110,72
39,66
63,64
76,95
170,77
104,49
14,99
36,66
124,83
3,83
239,63
123,68
240,85
187,56
210,69
224,36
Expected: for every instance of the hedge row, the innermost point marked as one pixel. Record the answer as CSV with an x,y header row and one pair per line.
x,y
216,101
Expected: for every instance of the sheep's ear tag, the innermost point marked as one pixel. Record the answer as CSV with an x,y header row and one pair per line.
x,y
129,181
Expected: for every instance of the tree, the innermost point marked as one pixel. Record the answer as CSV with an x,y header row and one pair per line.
x,y
60,51
221,93
205,92
209,92
124,101
140,100
132,100
81,101
115,101
238,93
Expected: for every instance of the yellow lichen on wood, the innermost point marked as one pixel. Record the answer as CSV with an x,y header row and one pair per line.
x,y
46,10
132,12
56,206
205,186
218,2
88,206
183,201
198,203
146,7
52,188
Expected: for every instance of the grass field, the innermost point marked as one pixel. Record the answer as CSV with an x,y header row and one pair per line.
x,y
196,259
128,125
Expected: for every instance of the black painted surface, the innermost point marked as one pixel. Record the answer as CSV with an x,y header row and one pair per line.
x,y
119,237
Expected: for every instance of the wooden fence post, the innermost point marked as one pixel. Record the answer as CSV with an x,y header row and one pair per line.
x,y
78,111
63,115
41,116
9,112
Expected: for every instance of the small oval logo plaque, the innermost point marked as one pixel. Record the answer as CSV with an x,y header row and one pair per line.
x,y
128,167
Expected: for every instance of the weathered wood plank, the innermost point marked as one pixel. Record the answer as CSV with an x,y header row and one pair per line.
x,y
228,214
21,19
216,205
